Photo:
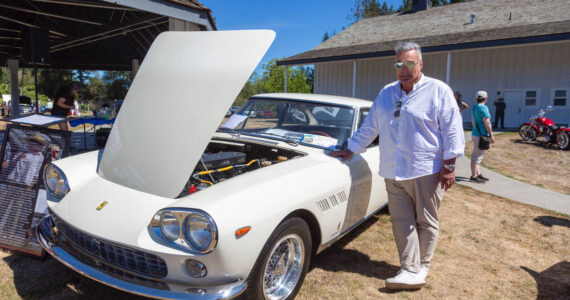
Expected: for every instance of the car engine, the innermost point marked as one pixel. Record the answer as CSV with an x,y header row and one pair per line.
x,y
223,160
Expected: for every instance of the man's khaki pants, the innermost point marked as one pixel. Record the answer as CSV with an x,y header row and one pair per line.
x,y
413,206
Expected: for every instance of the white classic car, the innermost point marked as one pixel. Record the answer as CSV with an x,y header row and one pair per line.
x,y
177,206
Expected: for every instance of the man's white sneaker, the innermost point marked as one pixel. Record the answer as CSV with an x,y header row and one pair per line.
x,y
424,272
406,280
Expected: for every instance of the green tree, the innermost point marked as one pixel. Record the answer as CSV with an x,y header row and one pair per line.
x,y
369,8
406,6
96,88
310,75
251,87
326,36
116,84
273,79
435,3
365,9
49,80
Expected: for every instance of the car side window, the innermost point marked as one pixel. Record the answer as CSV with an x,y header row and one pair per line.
x,y
363,114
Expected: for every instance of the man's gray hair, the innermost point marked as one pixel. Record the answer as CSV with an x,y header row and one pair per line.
x,y
409,45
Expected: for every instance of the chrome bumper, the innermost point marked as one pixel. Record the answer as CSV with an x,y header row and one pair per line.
x,y
49,242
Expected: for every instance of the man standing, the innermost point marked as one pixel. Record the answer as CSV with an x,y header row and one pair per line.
x,y
500,107
420,135
480,121
460,103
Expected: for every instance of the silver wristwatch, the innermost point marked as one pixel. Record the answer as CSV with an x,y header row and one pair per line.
x,y
449,167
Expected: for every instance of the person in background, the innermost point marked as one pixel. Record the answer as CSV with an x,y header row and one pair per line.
x,y
49,106
420,135
64,102
480,119
500,107
460,103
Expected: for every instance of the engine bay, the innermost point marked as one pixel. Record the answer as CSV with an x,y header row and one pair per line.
x,y
223,160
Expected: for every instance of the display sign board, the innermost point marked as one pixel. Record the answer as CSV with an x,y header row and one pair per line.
x,y
25,152
39,120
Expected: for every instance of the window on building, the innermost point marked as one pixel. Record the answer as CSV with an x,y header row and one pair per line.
x,y
530,98
560,97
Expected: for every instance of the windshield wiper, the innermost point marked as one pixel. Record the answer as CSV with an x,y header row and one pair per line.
x,y
231,131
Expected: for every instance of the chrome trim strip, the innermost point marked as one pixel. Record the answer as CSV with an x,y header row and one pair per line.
x,y
47,241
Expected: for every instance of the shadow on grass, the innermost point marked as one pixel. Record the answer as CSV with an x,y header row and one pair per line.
x,y
337,258
550,221
536,143
49,279
552,282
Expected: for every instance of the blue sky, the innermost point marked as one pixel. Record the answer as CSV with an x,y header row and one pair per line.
x,y
299,24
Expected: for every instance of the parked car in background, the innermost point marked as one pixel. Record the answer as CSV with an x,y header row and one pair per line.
x,y
192,209
267,114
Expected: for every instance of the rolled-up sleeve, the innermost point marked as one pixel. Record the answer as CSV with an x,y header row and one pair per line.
x,y
451,125
368,131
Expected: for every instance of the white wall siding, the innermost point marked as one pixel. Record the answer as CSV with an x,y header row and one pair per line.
x,y
540,67
334,78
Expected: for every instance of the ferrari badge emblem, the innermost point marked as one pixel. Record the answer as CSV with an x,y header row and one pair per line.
x,y
102,205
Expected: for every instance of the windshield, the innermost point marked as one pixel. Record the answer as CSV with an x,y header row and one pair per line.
x,y
315,124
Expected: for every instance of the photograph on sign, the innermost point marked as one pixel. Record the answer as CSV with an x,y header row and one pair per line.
x,y
25,151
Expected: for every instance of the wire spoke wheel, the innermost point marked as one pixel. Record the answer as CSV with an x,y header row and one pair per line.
x,y
284,267
527,133
563,140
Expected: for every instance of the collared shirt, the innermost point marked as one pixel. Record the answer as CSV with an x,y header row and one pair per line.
x,y
428,130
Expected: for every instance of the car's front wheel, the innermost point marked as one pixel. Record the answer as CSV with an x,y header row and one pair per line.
x,y
283,263
527,133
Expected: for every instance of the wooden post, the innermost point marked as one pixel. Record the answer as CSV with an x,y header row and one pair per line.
x,y
14,90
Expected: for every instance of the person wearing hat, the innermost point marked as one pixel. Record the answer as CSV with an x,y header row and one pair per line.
x,y
24,167
480,119
500,107
459,98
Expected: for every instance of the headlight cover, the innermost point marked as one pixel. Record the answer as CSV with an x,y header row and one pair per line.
x,y
187,229
55,181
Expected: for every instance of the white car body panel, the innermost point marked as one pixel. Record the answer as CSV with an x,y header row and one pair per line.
x,y
195,76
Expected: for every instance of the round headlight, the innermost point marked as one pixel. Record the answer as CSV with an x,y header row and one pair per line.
x,y
55,181
199,231
169,226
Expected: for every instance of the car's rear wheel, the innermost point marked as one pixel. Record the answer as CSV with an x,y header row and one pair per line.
x,y
283,263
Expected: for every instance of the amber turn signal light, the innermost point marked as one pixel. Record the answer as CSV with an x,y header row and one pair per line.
x,y
242,231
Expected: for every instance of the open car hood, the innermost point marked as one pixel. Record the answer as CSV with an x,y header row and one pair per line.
x,y
183,89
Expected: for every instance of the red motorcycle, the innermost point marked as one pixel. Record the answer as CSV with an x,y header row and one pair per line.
x,y
540,126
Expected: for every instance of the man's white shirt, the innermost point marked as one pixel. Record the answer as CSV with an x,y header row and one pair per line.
x,y
428,130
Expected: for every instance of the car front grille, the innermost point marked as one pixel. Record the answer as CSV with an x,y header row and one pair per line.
x,y
111,254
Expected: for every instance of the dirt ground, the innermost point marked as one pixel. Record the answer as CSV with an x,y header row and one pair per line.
x,y
489,247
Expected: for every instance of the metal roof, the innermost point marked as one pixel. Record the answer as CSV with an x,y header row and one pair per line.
x,y
90,34
473,24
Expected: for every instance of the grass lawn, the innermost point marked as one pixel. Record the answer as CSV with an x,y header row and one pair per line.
x,y
535,163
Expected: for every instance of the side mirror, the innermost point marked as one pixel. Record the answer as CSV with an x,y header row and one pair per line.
x,y
549,107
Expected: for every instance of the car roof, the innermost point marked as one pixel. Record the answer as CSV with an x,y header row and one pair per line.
x,y
339,100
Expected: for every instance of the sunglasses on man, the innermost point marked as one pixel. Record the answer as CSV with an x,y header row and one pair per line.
x,y
410,65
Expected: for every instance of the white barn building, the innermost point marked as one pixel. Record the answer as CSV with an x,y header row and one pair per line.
x,y
519,49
